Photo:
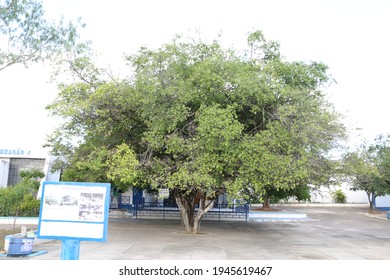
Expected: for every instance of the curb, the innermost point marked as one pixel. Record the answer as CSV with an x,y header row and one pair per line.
x,y
276,216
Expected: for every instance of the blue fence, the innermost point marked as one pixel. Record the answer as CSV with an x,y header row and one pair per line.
x,y
219,210
169,207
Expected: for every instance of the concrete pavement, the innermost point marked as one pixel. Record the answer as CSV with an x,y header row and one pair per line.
x,y
329,233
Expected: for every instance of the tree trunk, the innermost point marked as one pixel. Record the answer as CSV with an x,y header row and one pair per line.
x,y
266,203
371,205
371,199
204,206
186,205
187,208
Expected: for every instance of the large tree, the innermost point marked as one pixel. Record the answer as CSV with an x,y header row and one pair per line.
x,y
368,168
26,36
200,120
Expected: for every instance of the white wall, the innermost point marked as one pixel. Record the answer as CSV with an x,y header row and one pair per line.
x,y
50,176
150,197
382,201
356,196
324,195
4,168
129,193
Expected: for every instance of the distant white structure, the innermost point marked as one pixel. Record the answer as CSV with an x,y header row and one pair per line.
x,y
13,160
324,195
383,202
4,167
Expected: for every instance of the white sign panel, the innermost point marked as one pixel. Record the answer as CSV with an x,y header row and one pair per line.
x,y
163,193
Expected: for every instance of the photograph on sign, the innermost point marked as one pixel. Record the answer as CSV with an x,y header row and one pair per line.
x,y
73,203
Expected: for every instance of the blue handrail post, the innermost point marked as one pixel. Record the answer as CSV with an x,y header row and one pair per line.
x,y
246,211
70,249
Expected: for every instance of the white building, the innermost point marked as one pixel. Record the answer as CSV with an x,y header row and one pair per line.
x,y
324,195
13,160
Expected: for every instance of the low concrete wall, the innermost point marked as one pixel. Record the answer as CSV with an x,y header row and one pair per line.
x,y
281,205
19,220
276,216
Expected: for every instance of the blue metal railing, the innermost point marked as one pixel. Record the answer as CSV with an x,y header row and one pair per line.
x,y
123,202
162,207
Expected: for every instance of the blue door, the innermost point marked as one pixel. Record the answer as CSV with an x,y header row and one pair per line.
x,y
137,196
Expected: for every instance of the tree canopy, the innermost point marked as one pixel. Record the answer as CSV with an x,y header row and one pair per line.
x,y
201,120
28,36
368,168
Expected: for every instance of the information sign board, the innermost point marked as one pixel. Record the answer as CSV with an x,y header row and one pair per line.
x,y
163,193
71,210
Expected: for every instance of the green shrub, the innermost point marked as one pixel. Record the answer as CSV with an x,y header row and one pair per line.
x,y
5,205
29,206
19,200
339,196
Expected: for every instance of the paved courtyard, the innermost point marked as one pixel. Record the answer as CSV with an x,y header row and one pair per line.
x,y
329,233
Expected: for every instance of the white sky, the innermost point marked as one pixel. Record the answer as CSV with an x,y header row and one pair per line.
x,y
351,37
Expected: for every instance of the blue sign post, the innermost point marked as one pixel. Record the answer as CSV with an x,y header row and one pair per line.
x,y
74,212
70,249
